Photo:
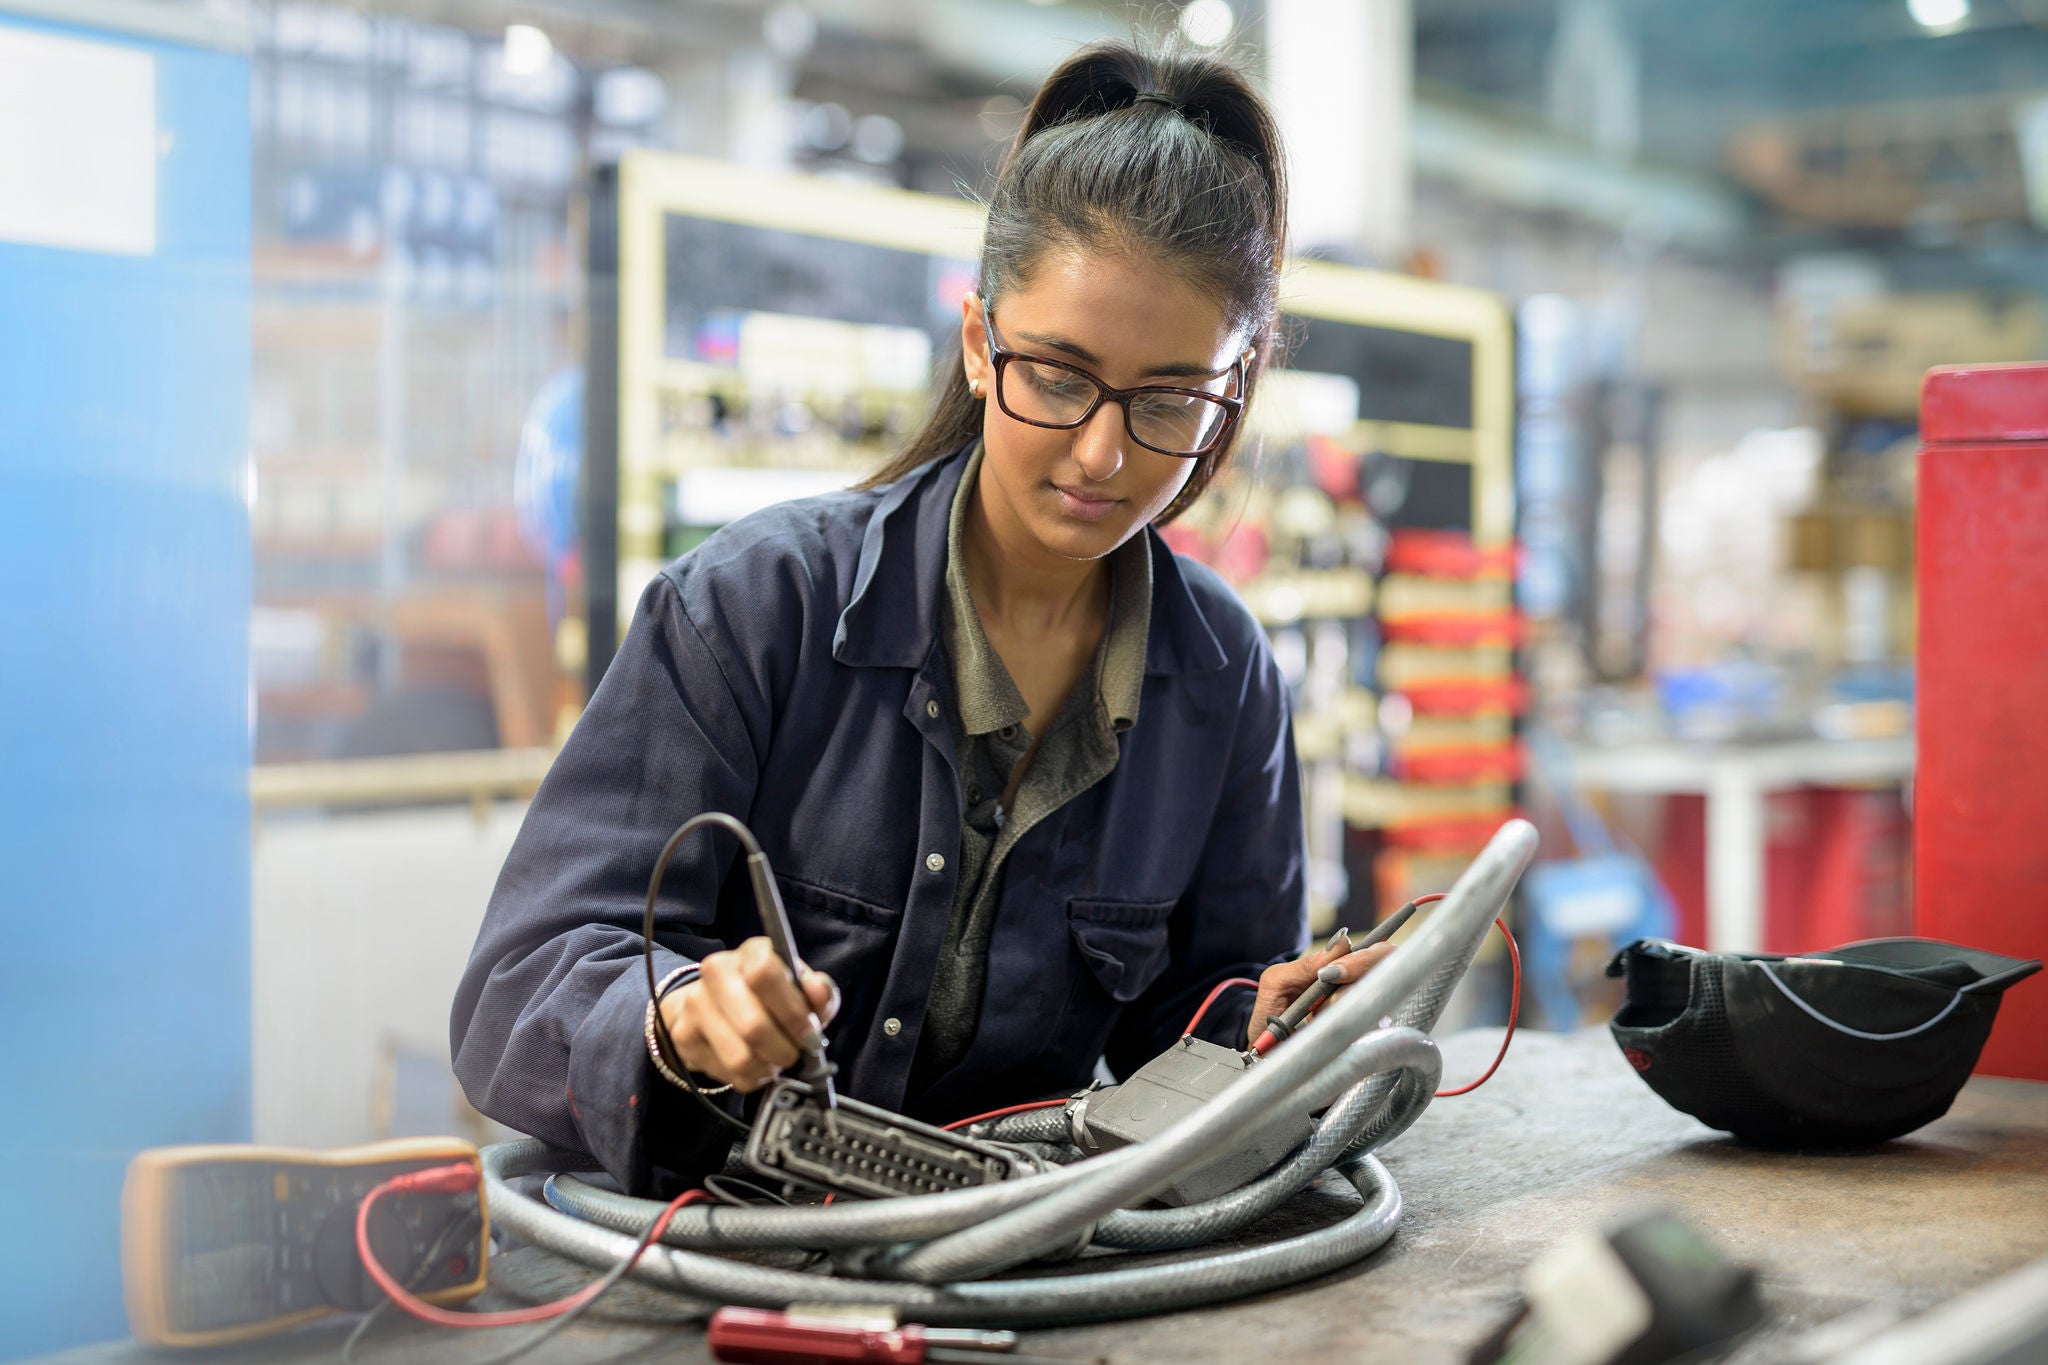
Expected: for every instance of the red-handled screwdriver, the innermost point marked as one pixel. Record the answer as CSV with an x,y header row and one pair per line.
x,y
759,1336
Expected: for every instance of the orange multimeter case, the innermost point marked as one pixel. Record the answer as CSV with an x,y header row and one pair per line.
x,y
223,1243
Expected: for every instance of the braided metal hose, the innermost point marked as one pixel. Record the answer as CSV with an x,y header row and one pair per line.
x,y
1429,963
940,1251
1039,1300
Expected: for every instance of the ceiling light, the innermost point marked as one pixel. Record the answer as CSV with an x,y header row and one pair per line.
x,y
1206,23
1938,16
790,31
877,139
627,95
827,126
527,50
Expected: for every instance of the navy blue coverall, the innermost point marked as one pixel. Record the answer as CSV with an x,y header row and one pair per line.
x,y
785,672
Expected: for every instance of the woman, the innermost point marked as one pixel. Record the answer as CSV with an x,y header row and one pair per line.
x,y
1026,778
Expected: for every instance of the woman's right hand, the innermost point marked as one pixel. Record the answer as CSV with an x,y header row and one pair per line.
x,y
743,1020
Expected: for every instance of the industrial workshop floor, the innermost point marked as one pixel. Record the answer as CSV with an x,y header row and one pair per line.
x,y
1565,1136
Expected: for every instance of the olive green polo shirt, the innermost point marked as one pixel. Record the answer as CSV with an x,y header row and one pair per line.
x,y
990,737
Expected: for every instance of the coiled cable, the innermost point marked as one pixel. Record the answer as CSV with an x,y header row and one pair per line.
x,y
941,1258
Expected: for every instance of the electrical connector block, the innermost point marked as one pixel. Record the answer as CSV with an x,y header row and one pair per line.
x,y
858,1149
1165,1090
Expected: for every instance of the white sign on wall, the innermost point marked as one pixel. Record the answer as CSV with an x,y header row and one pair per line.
x,y
78,144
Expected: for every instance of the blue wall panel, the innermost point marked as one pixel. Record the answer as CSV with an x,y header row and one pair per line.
x,y
124,604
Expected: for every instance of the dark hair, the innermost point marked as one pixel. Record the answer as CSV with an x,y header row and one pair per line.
x,y
1172,159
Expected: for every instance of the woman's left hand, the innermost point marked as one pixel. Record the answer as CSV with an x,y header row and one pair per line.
x,y
1278,986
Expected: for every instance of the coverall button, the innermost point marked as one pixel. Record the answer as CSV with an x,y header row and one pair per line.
x,y
892,1026
931,708
935,861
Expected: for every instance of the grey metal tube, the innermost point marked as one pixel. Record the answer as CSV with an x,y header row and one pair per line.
x,y
1434,958
1300,1073
1344,1129
713,1279
1034,1125
1050,1209
1035,1301
1358,1121
861,1223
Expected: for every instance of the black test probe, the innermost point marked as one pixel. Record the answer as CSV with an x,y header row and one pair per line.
x,y
1280,1027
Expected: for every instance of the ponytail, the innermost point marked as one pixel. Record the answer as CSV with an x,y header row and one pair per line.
x,y
1175,158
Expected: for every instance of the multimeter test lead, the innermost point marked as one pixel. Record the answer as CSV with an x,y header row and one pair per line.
x,y
1279,1028
816,1071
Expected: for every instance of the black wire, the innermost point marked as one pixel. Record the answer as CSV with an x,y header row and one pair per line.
x,y
726,1189
608,1283
661,1038
467,1223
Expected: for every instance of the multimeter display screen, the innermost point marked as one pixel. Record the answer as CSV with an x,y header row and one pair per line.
x,y
222,1243
259,1241
226,1247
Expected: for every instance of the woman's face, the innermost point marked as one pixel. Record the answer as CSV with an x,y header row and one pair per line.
x,y
1079,494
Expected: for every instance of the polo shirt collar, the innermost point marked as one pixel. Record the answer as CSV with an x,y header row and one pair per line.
x,y
985,693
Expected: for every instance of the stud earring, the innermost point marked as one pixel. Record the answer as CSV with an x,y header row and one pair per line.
x,y
974,388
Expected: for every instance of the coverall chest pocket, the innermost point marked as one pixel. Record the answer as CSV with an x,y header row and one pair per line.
x,y
850,940
1122,943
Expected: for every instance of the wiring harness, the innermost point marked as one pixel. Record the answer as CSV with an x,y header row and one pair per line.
x,y
1367,1068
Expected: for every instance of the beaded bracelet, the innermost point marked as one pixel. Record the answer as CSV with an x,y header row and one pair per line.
x,y
681,976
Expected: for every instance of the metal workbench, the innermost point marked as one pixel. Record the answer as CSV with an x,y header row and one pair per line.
x,y
1565,1136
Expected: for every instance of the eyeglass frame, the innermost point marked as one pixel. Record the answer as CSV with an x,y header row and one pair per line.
x,y
1000,357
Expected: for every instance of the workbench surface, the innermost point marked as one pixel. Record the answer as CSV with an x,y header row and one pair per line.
x,y
1565,1136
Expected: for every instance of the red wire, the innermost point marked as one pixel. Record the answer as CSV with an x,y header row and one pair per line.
x,y
1210,999
1203,1009
998,1113
1514,1003
1514,1013
456,1179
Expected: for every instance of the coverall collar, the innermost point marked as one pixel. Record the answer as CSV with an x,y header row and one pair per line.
x,y
899,588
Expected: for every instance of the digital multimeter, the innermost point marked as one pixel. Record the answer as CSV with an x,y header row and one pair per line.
x,y
223,1243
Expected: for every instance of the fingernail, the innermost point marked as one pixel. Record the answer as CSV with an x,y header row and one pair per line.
x,y
814,1036
1333,972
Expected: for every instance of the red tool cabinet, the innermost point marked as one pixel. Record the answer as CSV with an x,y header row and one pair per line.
x,y
1981,791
